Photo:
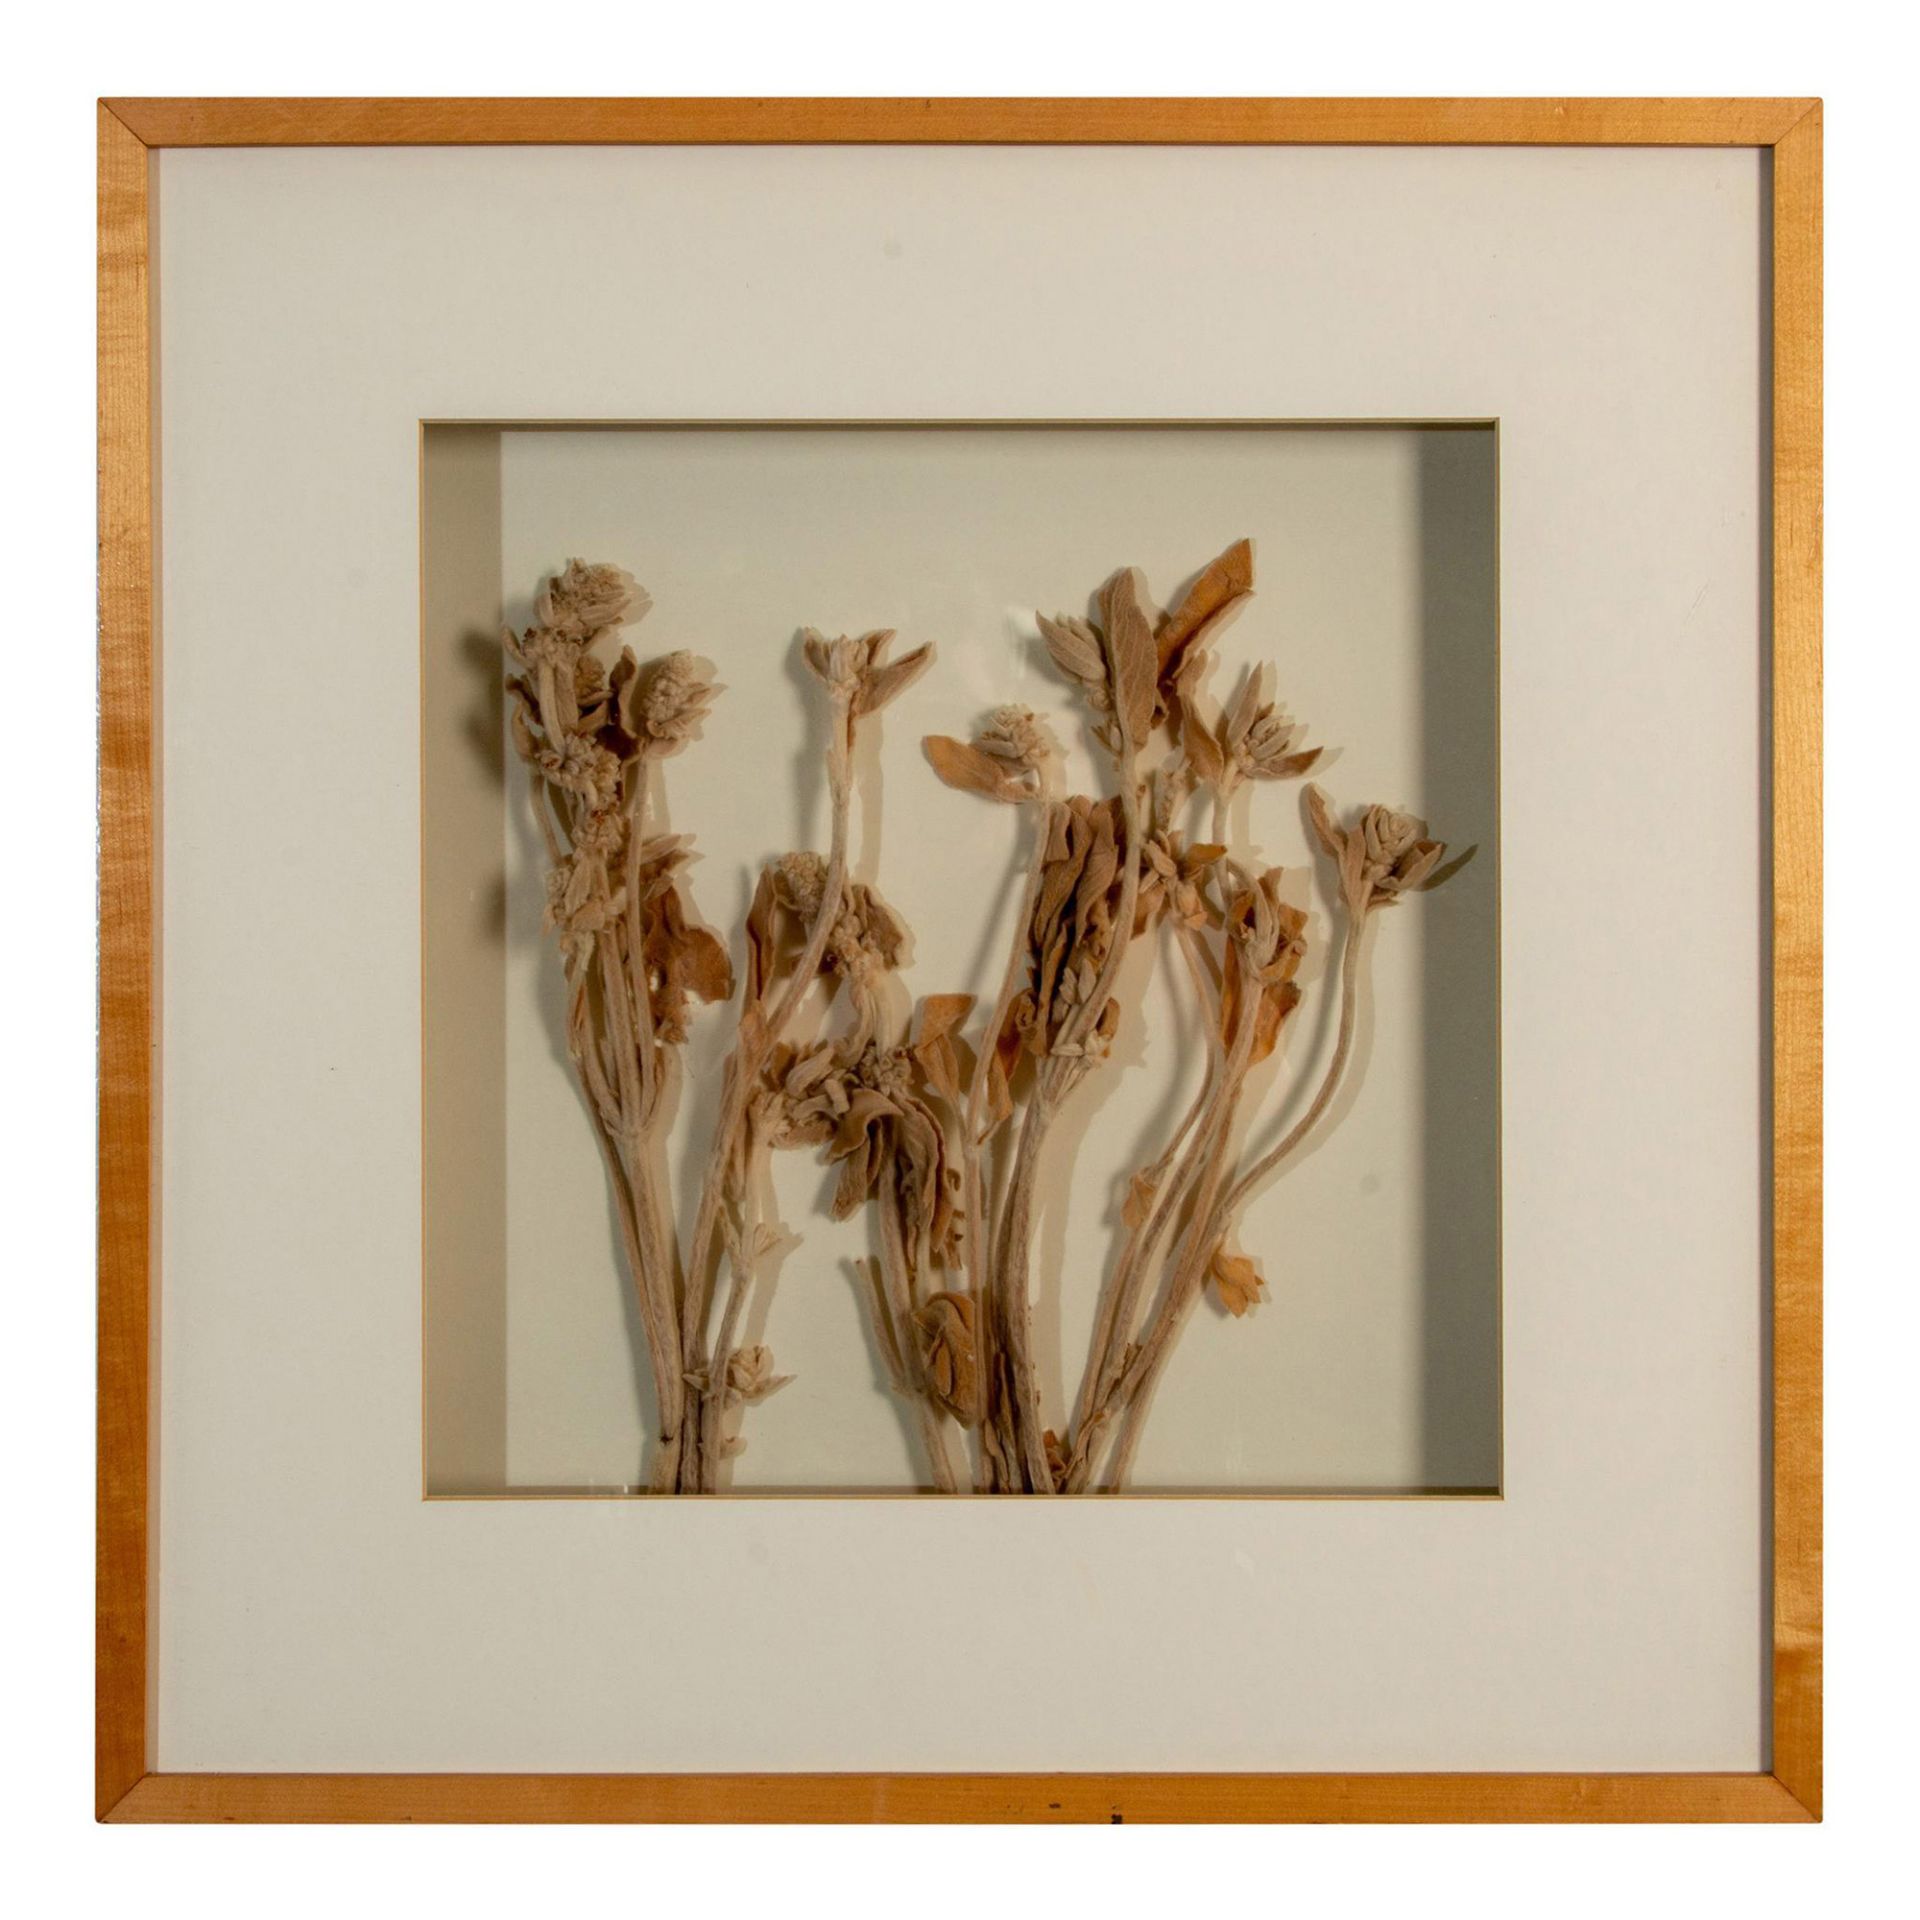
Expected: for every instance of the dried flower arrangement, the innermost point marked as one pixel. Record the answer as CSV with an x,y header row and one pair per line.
x,y
942,1141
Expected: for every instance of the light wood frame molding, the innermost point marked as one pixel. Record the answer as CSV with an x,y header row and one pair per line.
x,y
126,1786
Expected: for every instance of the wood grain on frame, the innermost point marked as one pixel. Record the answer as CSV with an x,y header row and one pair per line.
x,y
280,123
1108,1798
124,1788
128,1006
1796,1063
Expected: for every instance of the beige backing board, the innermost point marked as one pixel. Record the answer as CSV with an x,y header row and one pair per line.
x,y
1373,1364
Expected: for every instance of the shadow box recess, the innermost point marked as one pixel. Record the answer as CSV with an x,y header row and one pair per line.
x,y
1624,1623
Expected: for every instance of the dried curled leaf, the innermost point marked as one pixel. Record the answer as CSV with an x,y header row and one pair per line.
x,y
663,704
1236,1279
949,1355
1387,856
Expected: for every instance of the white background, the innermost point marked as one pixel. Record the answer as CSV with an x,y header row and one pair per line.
x,y
1843,52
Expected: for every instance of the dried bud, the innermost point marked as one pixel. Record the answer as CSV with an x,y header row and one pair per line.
x,y
800,885
1386,856
1017,736
1236,1279
750,1375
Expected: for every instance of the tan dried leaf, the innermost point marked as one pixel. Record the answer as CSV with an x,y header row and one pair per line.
x,y
884,683
1287,767
1139,1201
1203,750
942,1013
1130,653
972,771
1220,585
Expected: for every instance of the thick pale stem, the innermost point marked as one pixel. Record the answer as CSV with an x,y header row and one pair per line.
x,y
973,1182
741,1258
1015,1254
1120,1299
898,1285
1336,1071
653,1276
1213,1219
1189,1275
1205,1168
637,943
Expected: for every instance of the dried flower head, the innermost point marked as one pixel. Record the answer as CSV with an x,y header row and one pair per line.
x,y
1007,760
582,766
1017,736
584,600
800,884
856,671
666,704
1385,857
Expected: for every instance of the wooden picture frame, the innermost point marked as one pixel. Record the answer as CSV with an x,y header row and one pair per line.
x,y
127,1788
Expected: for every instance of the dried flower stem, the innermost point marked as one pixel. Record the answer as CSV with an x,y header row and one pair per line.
x,y
757,1036
887,1105
897,1294
1268,1163
972,1141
